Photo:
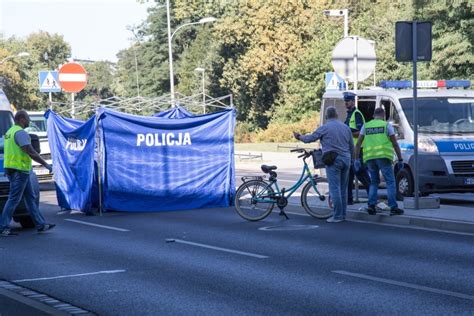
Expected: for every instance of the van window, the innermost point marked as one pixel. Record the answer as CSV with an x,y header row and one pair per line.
x,y
6,121
392,116
389,108
37,124
367,108
340,108
443,115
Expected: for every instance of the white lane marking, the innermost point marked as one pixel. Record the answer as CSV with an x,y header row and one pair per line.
x,y
386,224
408,285
287,227
97,225
72,77
69,276
243,253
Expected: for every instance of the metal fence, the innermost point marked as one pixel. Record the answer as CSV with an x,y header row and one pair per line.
x,y
146,106
248,156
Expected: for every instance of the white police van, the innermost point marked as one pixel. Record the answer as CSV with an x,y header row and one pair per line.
x,y
38,126
445,130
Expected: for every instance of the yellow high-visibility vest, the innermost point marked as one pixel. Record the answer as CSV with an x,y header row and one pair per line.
x,y
14,157
377,144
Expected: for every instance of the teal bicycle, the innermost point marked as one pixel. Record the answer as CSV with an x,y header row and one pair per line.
x,y
256,196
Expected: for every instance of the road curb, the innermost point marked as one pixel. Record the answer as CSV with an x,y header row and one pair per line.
x,y
416,221
39,301
383,217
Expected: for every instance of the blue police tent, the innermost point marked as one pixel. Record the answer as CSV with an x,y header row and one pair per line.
x,y
72,144
177,112
167,164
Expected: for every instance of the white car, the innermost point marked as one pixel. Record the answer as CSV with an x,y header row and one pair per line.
x,y
38,126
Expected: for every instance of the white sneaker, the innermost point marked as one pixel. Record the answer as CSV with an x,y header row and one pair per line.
x,y
383,206
333,220
75,212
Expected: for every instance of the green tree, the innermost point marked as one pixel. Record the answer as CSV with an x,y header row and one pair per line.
x,y
151,51
259,40
99,83
20,75
453,37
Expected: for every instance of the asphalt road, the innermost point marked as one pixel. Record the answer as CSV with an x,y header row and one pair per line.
x,y
213,262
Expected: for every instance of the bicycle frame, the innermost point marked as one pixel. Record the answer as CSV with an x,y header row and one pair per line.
x,y
305,175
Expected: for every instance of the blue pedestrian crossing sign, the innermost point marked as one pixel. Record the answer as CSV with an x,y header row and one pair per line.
x,y
334,81
49,81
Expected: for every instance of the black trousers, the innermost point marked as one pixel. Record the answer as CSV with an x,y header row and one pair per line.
x,y
362,175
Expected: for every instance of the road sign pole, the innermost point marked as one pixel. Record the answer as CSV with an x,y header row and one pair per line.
x,y
50,100
415,115
73,109
356,82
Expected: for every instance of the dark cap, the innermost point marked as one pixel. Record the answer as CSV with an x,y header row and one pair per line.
x,y
349,96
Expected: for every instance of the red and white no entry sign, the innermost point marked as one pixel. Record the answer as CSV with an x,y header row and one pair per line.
x,y
72,77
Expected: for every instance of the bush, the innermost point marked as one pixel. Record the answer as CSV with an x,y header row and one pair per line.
x,y
244,132
278,132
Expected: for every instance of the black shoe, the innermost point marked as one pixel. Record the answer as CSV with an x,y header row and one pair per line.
x,y
396,211
350,202
7,233
371,210
46,227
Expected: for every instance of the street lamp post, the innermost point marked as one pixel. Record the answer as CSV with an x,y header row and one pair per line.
x,y
131,29
202,70
344,13
136,70
170,38
22,54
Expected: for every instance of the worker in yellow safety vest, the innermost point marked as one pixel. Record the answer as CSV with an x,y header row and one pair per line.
x,y
355,120
379,141
18,154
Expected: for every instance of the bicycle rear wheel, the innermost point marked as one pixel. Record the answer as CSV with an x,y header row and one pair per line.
x,y
246,200
317,205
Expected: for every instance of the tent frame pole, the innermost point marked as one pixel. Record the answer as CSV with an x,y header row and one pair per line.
x,y
99,163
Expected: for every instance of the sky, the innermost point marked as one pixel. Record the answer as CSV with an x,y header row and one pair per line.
x,y
95,29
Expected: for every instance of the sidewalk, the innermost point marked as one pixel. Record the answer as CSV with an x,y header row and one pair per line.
x,y
451,216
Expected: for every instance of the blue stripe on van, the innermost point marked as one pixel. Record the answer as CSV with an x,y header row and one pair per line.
x,y
406,146
455,146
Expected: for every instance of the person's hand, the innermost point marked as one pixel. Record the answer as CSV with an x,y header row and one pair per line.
x,y
357,165
400,164
50,168
297,135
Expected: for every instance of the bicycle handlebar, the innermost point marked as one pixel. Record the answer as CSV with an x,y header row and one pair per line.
x,y
300,150
305,153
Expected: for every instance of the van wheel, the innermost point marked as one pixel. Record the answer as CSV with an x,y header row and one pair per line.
x,y
25,221
404,183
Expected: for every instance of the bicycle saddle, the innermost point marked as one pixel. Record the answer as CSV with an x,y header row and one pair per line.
x,y
267,169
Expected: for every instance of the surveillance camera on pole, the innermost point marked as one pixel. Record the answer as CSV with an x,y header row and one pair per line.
x,y
334,12
342,12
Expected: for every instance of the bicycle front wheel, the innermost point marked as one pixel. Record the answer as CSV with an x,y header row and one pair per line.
x,y
252,200
317,205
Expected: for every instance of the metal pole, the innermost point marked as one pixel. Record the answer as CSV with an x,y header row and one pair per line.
x,y
136,70
415,115
356,82
99,162
346,22
356,64
73,109
170,53
373,44
50,100
203,93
